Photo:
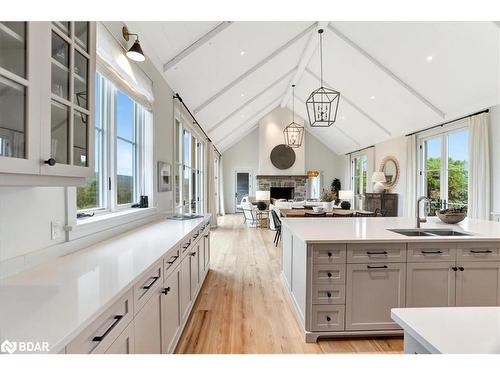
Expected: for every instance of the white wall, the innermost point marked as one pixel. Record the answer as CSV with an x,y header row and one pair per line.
x,y
271,129
241,156
26,213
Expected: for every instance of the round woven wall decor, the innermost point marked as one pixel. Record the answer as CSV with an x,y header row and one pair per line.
x,y
282,157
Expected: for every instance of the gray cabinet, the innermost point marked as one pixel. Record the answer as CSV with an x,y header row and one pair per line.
x,y
478,284
194,255
387,202
185,287
206,250
170,310
147,326
430,284
372,290
124,343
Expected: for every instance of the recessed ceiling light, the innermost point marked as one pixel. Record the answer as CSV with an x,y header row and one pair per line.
x,y
429,58
372,97
242,95
242,53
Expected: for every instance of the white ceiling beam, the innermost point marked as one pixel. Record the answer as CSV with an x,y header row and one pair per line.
x,y
251,100
197,44
252,120
308,52
352,104
254,68
386,70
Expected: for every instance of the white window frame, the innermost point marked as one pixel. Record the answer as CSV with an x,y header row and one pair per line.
x,y
369,154
441,133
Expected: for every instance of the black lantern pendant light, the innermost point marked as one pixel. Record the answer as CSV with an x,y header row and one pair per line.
x,y
323,103
294,133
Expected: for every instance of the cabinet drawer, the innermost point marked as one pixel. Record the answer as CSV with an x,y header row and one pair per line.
x,y
329,253
328,294
327,318
328,274
103,331
172,259
147,285
431,252
478,251
373,253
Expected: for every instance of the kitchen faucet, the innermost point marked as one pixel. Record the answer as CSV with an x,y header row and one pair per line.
x,y
419,220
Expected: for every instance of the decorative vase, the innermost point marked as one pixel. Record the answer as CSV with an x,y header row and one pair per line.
x,y
261,205
328,206
345,205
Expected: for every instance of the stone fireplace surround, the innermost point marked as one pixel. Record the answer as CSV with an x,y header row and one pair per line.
x,y
298,182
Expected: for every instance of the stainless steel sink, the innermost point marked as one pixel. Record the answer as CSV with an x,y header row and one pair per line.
x,y
429,232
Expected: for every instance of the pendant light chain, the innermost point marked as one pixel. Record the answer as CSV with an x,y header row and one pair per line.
x,y
321,56
293,103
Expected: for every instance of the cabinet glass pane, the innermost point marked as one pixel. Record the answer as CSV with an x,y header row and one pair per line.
x,y
80,80
81,34
80,139
13,47
12,118
60,66
125,162
64,26
59,125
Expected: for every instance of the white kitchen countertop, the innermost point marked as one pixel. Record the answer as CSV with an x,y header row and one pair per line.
x,y
374,229
452,330
54,301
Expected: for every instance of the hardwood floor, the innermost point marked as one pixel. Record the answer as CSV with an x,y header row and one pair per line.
x,y
242,307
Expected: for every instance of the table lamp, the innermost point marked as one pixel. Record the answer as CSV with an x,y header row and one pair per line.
x,y
378,178
261,196
345,196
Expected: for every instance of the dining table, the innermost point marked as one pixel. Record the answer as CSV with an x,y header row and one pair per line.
x,y
301,212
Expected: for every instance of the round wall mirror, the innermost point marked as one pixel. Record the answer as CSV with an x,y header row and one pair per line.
x,y
390,167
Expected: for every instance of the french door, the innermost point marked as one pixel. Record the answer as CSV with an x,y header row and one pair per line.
x,y
242,187
444,168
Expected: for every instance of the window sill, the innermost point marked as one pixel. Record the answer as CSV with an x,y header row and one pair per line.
x,y
98,223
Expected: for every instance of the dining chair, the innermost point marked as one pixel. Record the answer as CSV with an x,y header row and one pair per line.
x,y
277,226
342,215
248,214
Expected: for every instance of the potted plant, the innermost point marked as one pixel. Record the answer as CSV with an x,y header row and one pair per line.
x,y
328,197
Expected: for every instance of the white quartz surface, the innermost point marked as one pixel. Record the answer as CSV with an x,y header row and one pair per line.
x,y
54,301
453,330
375,229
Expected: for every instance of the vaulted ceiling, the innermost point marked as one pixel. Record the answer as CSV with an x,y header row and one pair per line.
x,y
394,77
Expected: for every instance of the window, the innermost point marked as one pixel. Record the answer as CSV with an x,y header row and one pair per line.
x,y
189,171
359,178
123,152
444,166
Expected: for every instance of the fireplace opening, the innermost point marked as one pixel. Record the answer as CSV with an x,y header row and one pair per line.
x,y
282,193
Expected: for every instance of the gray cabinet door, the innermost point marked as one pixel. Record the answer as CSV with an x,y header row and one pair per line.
x,y
194,255
207,250
478,284
286,257
201,258
147,326
124,343
430,284
185,287
170,312
371,293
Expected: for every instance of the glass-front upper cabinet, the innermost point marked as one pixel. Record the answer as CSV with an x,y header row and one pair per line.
x,y
69,138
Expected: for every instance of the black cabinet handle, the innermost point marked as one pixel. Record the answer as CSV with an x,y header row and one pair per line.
x,y
117,319
461,268
192,254
432,252
166,290
374,267
329,274
454,269
376,252
50,161
330,254
186,245
481,251
155,278
328,318
329,294
206,235
172,259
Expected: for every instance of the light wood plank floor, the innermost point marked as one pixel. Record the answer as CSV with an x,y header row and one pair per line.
x,y
242,307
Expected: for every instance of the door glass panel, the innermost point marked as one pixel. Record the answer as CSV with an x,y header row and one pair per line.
x,y
59,124
432,149
80,139
12,118
80,80
125,171
60,66
242,186
13,47
187,148
458,168
63,26
81,34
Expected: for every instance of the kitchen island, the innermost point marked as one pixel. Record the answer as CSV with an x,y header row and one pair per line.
x,y
344,275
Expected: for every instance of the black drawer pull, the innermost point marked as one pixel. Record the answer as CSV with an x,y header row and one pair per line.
x,y
206,235
166,290
329,294
374,267
461,268
329,254
329,274
432,252
454,269
481,251
328,318
117,319
155,278
376,252
192,254
172,259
